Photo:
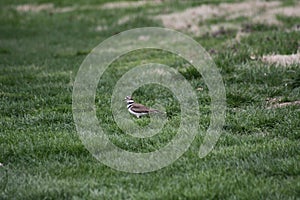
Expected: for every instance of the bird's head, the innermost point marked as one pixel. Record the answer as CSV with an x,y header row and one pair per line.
x,y
128,99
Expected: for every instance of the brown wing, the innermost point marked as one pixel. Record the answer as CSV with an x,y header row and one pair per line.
x,y
139,108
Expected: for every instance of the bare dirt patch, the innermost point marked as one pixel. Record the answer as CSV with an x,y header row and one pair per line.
x,y
101,28
126,4
51,8
124,19
283,104
48,7
283,60
256,11
35,8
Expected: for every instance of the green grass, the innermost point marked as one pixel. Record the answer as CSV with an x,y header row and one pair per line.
x,y
257,156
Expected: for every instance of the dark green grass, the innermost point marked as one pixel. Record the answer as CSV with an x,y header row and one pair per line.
x,y
257,156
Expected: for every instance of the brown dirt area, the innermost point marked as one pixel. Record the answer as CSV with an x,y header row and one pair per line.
x,y
256,11
283,60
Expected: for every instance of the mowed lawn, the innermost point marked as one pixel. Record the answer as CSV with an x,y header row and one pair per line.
x,y
42,45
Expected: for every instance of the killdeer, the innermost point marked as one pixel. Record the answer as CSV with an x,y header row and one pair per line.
x,y
138,109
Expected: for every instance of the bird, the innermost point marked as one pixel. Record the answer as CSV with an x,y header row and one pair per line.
x,y
138,109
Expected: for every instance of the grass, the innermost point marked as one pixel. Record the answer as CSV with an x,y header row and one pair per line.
x,y
257,156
